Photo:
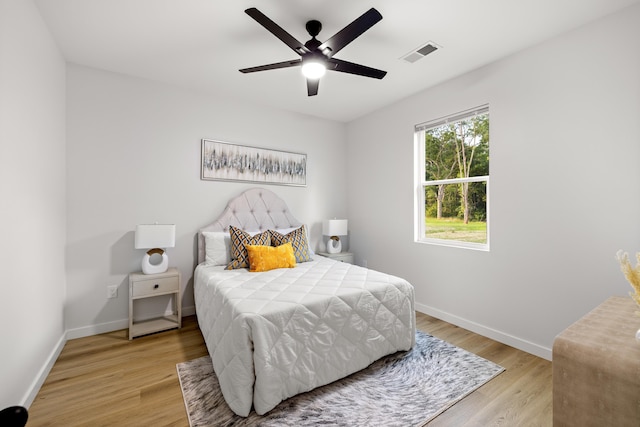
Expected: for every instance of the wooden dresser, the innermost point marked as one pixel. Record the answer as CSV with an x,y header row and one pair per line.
x,y
596,368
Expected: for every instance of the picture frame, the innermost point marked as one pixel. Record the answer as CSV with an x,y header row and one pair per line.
x,y
224,161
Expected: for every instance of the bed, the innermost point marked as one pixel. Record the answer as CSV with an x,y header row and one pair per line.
x,y
277,333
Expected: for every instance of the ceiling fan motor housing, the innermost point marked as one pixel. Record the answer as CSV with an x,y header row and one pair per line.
x,y
314,27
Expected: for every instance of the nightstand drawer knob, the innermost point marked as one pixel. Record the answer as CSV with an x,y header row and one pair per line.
x,y
156,286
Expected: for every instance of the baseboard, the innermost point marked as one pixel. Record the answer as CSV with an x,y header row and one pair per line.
x,y
34,388
116,325
100,328
188,311
520,344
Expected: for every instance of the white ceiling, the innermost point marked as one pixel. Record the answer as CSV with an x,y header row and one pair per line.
x,y
201,44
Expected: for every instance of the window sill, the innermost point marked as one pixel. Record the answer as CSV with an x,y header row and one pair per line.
x,y
483,247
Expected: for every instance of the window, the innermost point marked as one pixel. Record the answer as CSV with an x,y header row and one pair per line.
x,y
452,180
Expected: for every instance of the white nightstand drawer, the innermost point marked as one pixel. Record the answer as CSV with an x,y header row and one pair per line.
x,y
155,286
340,256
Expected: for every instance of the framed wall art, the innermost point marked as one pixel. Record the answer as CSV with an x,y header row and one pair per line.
x,y
224,161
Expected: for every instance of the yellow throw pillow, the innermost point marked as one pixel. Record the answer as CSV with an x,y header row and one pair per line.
x,y
265,258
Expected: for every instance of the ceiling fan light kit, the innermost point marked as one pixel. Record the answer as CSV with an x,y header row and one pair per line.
x,y
313,69
317,57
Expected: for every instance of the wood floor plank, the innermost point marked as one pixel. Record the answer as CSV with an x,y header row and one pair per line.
x,y
107,380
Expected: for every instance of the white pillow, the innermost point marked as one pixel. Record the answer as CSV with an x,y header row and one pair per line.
x,y
217,245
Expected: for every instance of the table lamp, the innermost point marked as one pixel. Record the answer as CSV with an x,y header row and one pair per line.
x,y
155,237
334,228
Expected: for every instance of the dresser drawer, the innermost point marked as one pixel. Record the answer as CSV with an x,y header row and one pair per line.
x,y
155,286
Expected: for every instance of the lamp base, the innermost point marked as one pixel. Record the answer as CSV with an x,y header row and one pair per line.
x,y
334,245
161,267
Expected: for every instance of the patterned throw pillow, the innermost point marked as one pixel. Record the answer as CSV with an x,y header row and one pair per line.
x,y
298,240
265,258
240,238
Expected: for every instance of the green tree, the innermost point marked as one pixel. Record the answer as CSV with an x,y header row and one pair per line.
x,y
469,136
440,161
460,150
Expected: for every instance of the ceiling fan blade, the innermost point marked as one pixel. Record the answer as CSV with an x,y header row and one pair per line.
x,y
275,66
350,32
312,86
351,68
277,31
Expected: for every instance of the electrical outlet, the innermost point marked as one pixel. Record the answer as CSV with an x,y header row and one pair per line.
x,y
364,263
112,291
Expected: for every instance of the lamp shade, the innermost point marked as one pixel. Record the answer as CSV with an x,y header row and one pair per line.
x,y
150,236
334,227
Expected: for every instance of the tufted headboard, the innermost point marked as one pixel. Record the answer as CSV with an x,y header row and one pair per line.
x,y
256,209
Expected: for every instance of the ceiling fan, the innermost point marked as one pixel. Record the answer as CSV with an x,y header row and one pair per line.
x,y
317,57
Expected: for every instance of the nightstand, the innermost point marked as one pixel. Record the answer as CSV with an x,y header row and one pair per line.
x,y
340,256
149,286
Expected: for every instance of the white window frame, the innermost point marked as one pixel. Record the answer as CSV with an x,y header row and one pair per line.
x,y
421,183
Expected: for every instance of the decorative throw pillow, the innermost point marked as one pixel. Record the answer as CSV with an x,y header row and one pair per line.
x,y
265,258
240,238
298,240
285,231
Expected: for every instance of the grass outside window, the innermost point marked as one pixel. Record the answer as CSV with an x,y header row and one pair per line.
x,y
456,229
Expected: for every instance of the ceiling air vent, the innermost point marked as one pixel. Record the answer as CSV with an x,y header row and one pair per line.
x,y
420,52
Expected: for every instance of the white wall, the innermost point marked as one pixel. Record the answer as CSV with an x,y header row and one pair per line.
x,y
32,190
565,175
134,157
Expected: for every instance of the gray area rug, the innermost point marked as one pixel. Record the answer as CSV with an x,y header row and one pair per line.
x,y
402,389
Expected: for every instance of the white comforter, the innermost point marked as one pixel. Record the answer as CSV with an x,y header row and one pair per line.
x,y
275,334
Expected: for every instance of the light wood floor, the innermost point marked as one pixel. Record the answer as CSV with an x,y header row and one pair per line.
x,y
107,380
